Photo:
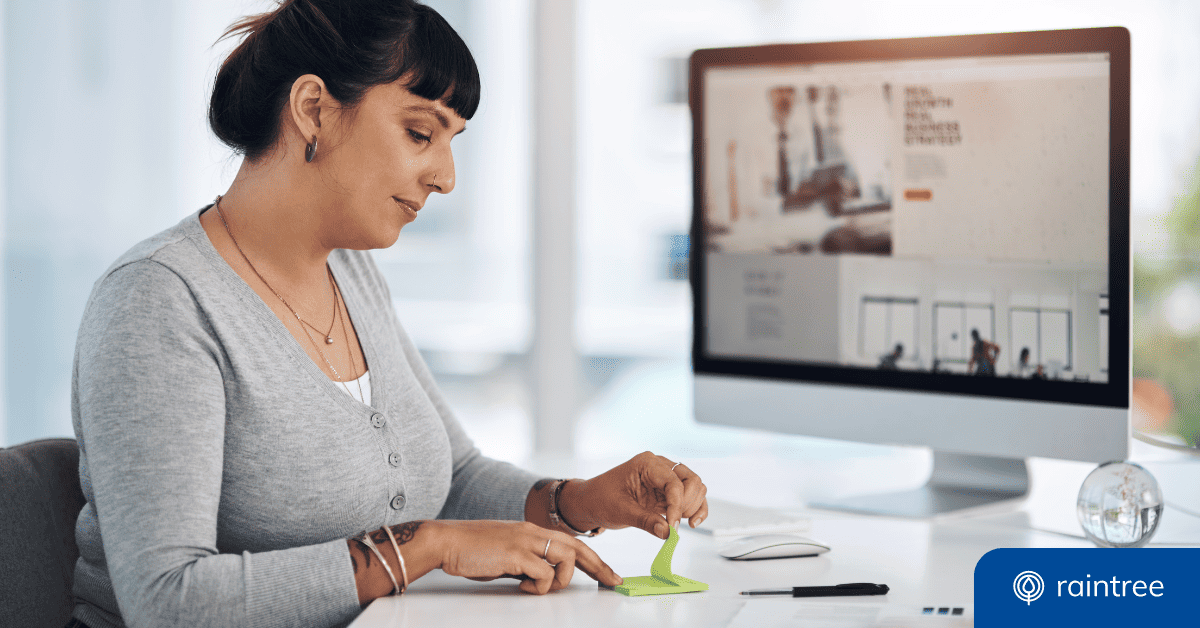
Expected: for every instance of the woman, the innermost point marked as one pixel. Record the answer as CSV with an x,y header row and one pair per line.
x,y
983,355
245,399
1024,368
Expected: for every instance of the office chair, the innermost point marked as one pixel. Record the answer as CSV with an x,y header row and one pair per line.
x,y
40,500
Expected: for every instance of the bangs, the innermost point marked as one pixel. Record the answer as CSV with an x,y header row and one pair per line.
x,y
439,66
353,45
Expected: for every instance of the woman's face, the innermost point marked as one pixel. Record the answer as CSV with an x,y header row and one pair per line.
x,y
384,161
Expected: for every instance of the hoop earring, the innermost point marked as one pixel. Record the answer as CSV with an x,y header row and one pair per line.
x,y
310,150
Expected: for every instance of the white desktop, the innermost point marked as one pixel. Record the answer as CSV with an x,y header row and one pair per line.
x,y
918,242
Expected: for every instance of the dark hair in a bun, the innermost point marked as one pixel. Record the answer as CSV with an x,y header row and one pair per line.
x,y
352,45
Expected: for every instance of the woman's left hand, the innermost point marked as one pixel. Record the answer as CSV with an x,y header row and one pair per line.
x,y
638,493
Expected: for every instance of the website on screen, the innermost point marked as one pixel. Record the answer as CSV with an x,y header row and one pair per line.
x,y
943,215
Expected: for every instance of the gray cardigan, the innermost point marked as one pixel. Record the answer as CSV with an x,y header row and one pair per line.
x,y
223,470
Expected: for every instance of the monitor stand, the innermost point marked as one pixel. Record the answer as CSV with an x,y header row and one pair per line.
x,y
958,481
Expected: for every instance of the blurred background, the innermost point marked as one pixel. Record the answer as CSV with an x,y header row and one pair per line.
x,y
105,143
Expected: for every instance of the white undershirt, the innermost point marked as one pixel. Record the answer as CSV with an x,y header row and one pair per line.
x,y
351,388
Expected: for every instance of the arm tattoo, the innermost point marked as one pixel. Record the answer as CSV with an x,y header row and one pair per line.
x,y
365,553
541,484
406,531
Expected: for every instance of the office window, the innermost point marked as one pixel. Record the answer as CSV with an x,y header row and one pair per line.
x,y
884,322
1047,334
1023,334
634,189
952,324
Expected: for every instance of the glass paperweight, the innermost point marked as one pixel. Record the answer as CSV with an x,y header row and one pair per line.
x,y
1119,505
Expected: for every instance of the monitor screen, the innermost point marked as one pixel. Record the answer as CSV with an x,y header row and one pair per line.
x,y
943,214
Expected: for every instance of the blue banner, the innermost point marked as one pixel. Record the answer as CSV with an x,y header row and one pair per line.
x,y
1088,587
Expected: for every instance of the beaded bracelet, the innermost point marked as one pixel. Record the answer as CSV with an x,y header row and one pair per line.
x,y
399,556
365,539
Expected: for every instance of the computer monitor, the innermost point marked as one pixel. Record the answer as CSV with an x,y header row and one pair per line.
x,y
921,242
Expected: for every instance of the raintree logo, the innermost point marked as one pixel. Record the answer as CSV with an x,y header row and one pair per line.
x,y
1028,586
1031,587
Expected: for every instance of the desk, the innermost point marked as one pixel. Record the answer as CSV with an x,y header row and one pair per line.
x,y
924,562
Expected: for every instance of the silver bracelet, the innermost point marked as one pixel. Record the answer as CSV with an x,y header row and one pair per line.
x,y
365,539
399,557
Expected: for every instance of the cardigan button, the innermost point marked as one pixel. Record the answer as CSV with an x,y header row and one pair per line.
x,y
398,502
394,460
377,420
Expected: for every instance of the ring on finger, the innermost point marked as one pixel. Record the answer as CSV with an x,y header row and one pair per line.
x,y
546,552
675,465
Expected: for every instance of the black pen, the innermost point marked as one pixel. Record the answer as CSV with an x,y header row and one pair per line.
x,y
855,588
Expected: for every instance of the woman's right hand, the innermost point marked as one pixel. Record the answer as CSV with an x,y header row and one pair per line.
x,y
486,550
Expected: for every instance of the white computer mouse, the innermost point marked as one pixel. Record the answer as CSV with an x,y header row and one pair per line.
x,y
761,546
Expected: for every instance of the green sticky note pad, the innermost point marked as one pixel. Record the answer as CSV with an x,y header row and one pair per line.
x,y
661,581
649,585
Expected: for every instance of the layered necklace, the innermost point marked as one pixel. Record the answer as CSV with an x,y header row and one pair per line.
x,y
304,325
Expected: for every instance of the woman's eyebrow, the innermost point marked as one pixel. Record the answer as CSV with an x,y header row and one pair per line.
x,y
441,117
